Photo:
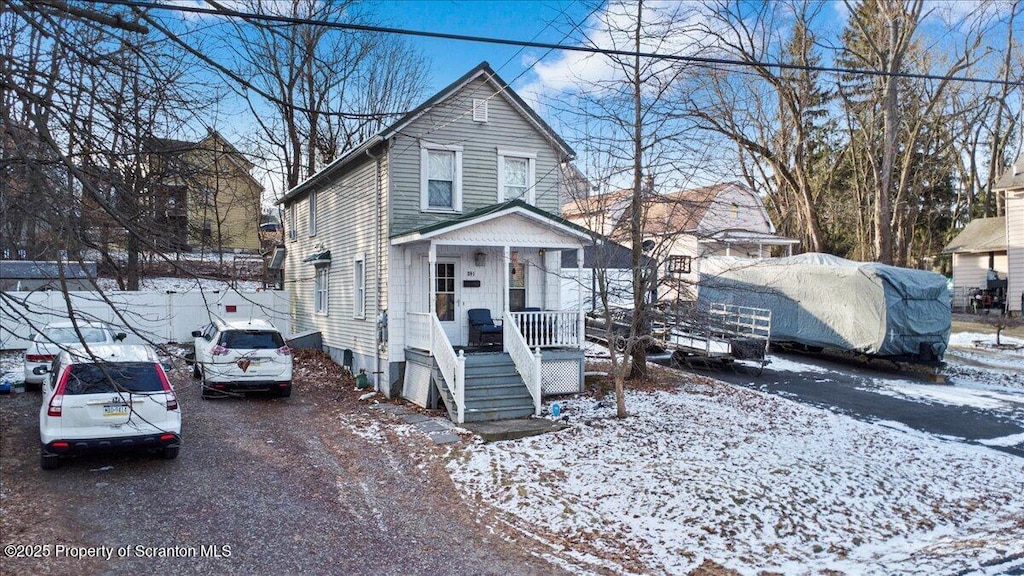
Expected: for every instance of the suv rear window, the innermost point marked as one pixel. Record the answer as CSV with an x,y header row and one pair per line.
x,y
107,377
68,335
251,340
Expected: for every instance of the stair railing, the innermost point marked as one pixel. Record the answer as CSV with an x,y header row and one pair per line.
x,y
451,366
527,363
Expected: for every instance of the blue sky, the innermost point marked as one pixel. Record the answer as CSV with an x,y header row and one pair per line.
x,y
542,21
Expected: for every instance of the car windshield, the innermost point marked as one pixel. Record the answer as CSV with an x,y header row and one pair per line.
x,y
106,377
68,335
252,340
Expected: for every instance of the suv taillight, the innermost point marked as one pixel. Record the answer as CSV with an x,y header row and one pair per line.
x,y
172,398
219,350
284,351
57,402
39,357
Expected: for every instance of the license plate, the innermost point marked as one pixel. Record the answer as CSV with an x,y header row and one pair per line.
x,y
115,410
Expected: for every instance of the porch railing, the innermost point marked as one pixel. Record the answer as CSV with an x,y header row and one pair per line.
x,y
550,329
417,330
527,363
424,331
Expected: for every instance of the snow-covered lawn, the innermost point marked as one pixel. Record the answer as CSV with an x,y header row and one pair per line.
x,y
182,285
756,482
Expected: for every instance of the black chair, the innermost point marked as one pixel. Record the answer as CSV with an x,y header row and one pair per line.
x,y
482,330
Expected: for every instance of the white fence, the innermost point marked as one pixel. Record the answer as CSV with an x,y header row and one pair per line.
x,y
153,317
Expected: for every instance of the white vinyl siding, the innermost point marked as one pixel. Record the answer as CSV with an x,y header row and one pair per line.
x,y
440,178
1015,249
312,213
359,286
321,289
516,176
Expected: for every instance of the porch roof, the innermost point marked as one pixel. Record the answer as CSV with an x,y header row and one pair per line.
x,y
738,236
525,221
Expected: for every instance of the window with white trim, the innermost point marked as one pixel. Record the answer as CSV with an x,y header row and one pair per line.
x,y
678,264
359,287
312,213
321,289
516,174
293,230
440,178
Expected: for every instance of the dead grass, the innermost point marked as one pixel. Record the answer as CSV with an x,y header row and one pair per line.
x,y
987,324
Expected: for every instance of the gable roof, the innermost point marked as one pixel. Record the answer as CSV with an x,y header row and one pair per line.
x,y
1013,178
488,213
481,70
980,235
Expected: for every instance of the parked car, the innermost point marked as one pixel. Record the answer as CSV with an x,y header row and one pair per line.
x,y
47,344
109,397
242,356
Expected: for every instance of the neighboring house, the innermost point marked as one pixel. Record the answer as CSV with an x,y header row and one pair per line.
x,y
977,249
1011,184
31,275
202,195
452,208
687,230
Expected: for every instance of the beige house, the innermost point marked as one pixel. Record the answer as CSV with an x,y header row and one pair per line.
x,y
690,231
205,197
979,248
1011,184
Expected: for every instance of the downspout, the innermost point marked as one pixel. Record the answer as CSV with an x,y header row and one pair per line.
x,y
376,259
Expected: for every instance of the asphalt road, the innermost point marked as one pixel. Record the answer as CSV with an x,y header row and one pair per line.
x,y
865,391
262,486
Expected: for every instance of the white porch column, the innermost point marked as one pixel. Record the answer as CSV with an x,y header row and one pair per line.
x,y
504,290
579,297
432,279
760,253
789,250
728,249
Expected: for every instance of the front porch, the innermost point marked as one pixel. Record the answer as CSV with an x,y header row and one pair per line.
x,y
483,329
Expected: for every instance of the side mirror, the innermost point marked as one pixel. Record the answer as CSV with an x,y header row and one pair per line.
x,y
197,333
40,370
120,336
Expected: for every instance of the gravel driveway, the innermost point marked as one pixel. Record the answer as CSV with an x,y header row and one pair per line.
x,y
262,486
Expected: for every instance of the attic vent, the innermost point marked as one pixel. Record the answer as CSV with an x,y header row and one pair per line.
x,y
479,110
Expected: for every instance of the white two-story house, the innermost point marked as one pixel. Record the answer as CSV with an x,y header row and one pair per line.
x,y
449,214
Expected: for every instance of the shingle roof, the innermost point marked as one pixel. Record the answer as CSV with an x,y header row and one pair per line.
x,y
1013,178
980,235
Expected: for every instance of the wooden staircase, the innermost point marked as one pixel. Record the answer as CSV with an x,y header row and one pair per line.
x,y
494,389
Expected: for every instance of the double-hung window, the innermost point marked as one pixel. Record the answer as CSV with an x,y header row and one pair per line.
x,y
359,287
516,175
440,178
321,290
293,230
312,213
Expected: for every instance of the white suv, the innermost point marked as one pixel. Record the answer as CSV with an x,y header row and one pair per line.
x,y
107,398
57,336
242,356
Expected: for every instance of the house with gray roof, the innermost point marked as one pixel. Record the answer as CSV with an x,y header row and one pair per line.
x,y
977,249
399,251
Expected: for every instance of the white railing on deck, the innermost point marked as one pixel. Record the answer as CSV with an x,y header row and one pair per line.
x,y
549,329
527,363
452,366
417,330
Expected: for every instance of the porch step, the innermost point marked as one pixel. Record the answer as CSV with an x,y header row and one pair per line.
x,y
494,389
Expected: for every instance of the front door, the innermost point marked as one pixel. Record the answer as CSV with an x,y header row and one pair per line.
x,y
447,303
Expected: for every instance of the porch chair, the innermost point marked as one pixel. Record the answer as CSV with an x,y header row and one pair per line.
x,y
482,330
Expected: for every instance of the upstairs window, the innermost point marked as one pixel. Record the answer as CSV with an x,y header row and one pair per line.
x,y
293,230
440,178
516,176
678,265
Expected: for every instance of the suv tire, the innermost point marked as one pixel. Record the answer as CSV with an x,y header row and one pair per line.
x,y
285,392
170,453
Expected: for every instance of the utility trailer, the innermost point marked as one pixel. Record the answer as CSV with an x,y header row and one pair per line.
x,y
719,332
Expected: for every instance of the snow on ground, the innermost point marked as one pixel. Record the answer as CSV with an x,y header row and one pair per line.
x,y
182,285
751,481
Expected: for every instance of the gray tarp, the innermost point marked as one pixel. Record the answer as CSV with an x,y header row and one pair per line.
x,y
823,300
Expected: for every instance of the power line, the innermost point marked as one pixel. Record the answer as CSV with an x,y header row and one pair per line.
x,y
698,60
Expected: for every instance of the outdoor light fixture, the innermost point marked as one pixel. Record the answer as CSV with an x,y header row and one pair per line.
x,y
480,258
